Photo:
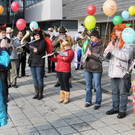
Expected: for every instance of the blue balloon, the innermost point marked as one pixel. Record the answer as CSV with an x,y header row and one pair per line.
x,y
125,14
34,25
128,35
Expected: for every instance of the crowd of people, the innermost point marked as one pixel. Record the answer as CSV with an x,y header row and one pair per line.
x,y
57,47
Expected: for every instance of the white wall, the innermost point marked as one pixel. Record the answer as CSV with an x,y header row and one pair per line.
x,y
44,11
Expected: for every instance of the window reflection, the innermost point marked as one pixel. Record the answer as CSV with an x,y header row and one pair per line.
x,y
30,2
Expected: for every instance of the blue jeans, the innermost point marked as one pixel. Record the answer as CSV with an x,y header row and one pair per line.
x,y
78,57
119,94
37,74
97,86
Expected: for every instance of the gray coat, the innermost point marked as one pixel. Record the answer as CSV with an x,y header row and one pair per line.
x,y
15,43
123,58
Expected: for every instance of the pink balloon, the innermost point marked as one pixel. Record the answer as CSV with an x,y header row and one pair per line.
x,y
15,6
20,24
91,9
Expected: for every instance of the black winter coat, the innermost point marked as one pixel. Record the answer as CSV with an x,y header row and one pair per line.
x,y
35,59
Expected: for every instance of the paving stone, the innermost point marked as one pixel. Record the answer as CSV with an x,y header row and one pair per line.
x,y
26,129
90,132
66,130
106,131
20,123
42,126
9,132
131,132
81,127
120,127
96,124
49,132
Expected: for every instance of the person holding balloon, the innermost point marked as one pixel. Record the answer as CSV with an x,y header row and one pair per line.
x,y
121,51
37,51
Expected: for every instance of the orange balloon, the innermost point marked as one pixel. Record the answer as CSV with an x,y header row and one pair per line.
x,y
109,7
1,9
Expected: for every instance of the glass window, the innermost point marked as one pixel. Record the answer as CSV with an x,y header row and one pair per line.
x,y
103,30
30,2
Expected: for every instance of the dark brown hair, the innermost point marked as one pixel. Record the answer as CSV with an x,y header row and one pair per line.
x,y
2,28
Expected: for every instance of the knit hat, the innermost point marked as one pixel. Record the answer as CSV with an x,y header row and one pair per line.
x,y
62,30
95,33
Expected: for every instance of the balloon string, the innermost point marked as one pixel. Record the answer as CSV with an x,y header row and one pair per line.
x,y
106,30
13,21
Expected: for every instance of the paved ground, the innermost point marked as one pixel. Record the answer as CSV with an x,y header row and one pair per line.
x,y
47,117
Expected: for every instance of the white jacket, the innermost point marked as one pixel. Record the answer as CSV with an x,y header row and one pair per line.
x,y
123,58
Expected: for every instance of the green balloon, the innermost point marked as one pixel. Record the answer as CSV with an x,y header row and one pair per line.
x,y
90,22
117,20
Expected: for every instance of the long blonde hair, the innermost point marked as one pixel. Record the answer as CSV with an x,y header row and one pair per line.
x,y
65,43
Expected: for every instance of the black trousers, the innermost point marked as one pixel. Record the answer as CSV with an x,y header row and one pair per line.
x,y
22,62
51,65
64,80
4,82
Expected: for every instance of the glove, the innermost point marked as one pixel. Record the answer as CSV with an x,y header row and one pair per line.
x,y
55,53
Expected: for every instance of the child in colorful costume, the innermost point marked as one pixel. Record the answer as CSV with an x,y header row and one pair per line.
x,y
4,61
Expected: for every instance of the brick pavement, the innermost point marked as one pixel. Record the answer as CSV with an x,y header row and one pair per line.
x,y
46,117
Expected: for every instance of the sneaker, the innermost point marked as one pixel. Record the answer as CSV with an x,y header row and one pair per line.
x,y
96,107
121,115
110,112
87,105
76,68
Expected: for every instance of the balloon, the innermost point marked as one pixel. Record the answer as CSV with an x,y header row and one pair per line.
x,y
125,14
128,35
90,22
131,10
34,25
15,6
1,9
117,20
109,7
91,9
20,24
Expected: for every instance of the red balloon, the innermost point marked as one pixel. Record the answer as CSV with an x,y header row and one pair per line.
x,y
15,6
91,9
20,24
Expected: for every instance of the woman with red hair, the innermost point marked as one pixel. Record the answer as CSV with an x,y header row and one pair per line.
x,y
121,56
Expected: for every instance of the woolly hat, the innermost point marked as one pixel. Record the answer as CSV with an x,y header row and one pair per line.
x,y
95,33
62,30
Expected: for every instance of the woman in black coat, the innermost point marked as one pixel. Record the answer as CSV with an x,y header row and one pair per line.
x,y
36,63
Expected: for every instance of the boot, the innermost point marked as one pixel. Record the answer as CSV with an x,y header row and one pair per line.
x,y
37,92
66,100
62,96
40,93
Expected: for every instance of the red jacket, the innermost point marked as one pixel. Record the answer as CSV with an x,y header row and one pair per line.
x,y
64,66
48,45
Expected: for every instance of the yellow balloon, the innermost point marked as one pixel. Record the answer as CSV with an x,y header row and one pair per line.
x,y
109,7
90,22
131,10
1,9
